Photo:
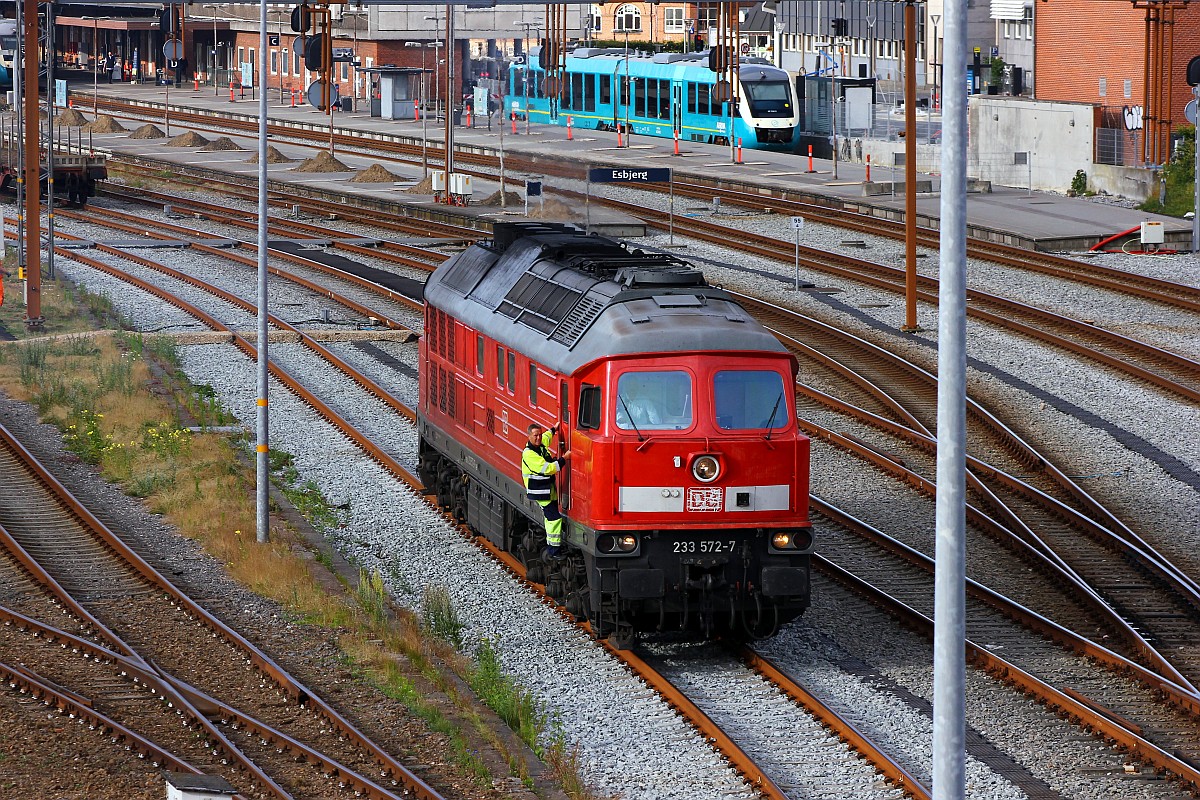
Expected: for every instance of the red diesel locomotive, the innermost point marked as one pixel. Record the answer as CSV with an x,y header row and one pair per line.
x,y
685,499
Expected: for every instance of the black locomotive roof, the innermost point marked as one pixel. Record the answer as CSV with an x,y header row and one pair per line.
x,y
565,298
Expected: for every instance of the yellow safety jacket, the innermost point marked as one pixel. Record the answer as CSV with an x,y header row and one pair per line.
x,y
538,468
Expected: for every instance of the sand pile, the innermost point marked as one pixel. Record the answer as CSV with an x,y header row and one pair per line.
x,y
189,139
424,186
218,145
511,200
103,124
148,131
273,157
71,118
322,162
376,173
553,209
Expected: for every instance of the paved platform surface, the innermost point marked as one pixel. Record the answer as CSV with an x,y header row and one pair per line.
x,y
1039,220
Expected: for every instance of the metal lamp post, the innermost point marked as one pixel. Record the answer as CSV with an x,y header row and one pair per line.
x,y
214,7
424,105
936,102
437,92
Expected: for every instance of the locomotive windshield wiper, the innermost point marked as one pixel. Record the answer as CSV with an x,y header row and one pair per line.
x,y
631,422
771,419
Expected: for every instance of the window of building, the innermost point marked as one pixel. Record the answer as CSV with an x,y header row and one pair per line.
x,y
251,54
673,20
627,18
1103,90
283,61
274,62
297,67
345,70
594,20
706,17
241,56
1128,89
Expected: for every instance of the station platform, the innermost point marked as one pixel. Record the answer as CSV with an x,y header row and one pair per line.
x,y
1035,220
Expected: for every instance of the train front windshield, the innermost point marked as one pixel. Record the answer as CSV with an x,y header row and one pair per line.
x,y
768,98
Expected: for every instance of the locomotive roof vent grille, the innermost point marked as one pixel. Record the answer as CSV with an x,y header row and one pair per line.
x,y
579,320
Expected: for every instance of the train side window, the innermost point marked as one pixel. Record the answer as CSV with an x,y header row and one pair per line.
x,y
564,401
702,98
533,387
512,371
624,82
589,407
691,98
589,92
639,93
605,90
500,366
479,345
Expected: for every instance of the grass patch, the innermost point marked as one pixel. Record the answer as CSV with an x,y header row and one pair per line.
x,y
1178,177
59,305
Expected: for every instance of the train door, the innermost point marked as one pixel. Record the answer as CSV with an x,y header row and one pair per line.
x,y
677,108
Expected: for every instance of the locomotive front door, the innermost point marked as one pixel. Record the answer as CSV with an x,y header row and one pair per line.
x,y
677,108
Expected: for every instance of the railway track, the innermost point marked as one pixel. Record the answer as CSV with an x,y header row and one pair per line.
x,y
1150,603
178,660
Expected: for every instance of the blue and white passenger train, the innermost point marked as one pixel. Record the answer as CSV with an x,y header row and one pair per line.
x,y
661,94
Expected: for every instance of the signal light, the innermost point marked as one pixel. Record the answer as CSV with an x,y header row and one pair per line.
x,y
841,26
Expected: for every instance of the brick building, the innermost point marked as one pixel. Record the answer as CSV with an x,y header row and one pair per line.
x,y
1096,52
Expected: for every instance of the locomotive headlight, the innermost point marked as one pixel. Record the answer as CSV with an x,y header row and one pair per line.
x,y
706,469
617,543
792,540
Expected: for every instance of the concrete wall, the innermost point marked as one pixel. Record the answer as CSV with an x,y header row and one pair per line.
x,y
1057,136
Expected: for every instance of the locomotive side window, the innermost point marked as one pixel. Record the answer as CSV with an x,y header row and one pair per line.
x,y
657,401
479,355
533,372
589,407
564,401
500,366
512,371
750,400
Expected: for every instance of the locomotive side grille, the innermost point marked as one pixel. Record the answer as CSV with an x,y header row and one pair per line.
x,y
441,388
441,324
452,397
431,386
431,329
451,327
579,320
491,421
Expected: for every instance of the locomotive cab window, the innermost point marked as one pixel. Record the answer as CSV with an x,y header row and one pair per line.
x,y
589,407
747,399
655,401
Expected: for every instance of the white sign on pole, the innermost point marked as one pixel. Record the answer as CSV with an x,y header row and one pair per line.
x,y
797,223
